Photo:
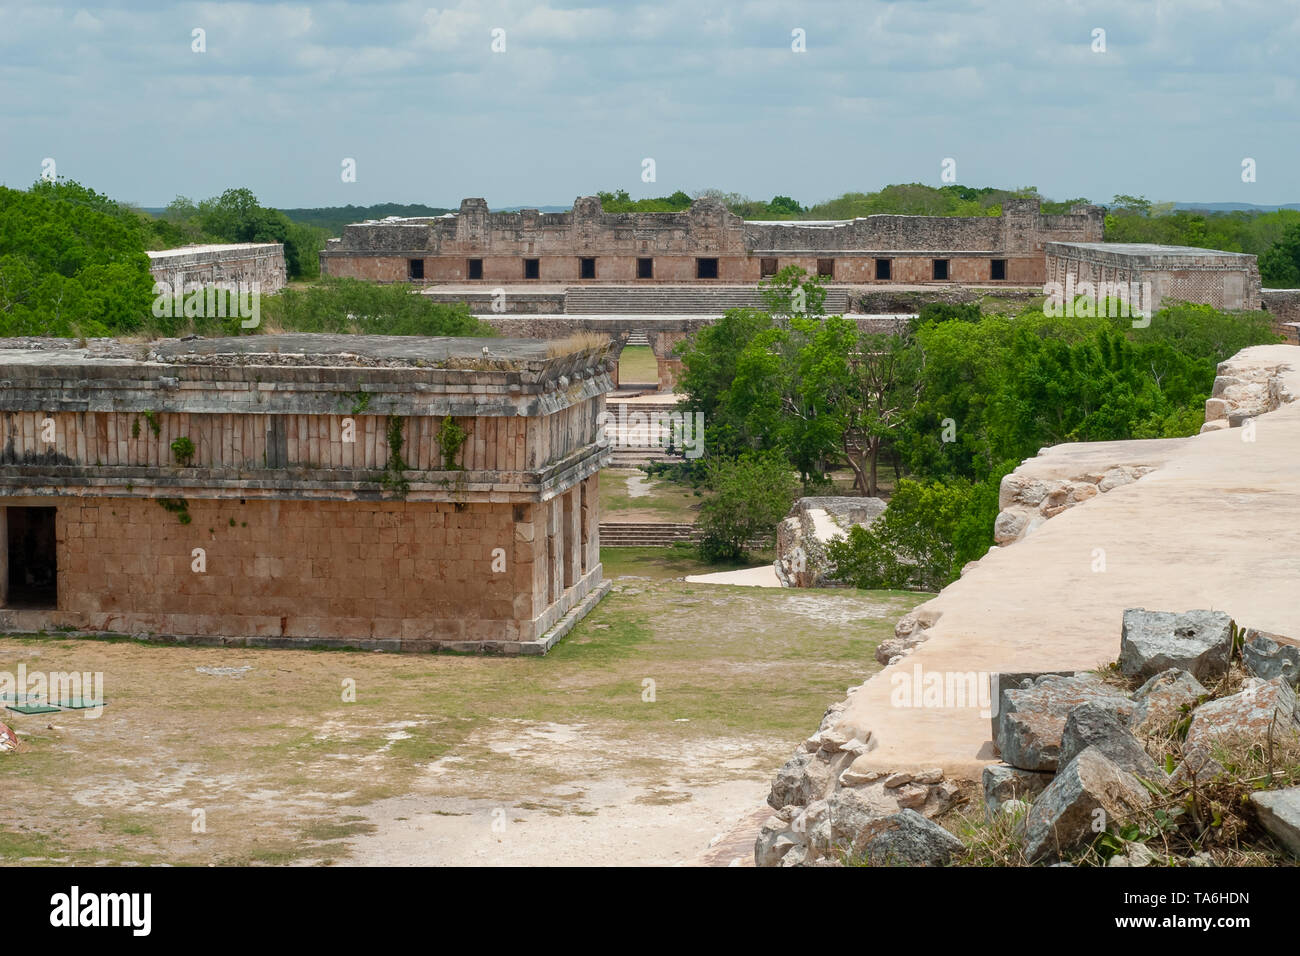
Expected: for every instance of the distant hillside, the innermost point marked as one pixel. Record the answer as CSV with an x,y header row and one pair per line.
x,y
1233,206
334,218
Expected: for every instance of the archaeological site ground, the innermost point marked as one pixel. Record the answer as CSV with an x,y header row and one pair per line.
x,y
434,456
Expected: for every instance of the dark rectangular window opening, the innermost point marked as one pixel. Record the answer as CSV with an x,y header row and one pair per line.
x,y
474,268
884,268
826,267
941,268
415,268
32,557
532,268
766,267
706,268
586,268
645,268
997,268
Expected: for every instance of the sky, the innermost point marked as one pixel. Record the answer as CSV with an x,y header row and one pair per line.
x,y
1168,102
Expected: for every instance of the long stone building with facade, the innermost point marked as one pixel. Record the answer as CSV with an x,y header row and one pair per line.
x,y
289,490
705,244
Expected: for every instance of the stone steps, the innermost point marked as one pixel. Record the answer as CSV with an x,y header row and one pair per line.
x,y
641,534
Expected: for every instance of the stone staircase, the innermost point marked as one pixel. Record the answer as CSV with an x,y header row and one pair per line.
x,y
642,534
676,300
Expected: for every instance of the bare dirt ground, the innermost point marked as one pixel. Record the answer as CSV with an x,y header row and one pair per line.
x,y
652,729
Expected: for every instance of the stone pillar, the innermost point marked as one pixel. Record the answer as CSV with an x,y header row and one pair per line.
x,y
572,538
554,551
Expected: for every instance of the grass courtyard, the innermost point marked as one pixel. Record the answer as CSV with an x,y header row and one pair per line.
x,y
660,719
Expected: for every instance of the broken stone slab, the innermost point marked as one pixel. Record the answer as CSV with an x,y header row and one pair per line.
x,y
999,683
1279,814
1003,784
909,839
1093,724
1260,707
1091,789
1270,655
1198,642
1164,699
1032,719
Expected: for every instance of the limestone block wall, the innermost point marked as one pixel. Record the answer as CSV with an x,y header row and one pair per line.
x,y
267,525
402,575
1247,387
1284,306
1225,280
503,247
245,262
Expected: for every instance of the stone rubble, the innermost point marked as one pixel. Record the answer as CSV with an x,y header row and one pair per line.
x,y
1072,751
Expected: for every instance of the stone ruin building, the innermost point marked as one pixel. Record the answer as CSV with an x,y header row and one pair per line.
x,y
1226,280
292,490
213,263
706,244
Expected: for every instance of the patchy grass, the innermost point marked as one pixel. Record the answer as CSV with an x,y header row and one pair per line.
x,y
667,501
637,365
666,563
284,770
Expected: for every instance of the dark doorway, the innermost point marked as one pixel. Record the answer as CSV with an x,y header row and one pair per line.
x,y
883,268
475,268
415,268
941,268
586,268
826,268
706,268
997,268
33,559
532,268
766,267
645,268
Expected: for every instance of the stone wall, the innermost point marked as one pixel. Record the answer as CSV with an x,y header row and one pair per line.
x,y
500,243
245,262
1225,280
1284,306
278,456
399,575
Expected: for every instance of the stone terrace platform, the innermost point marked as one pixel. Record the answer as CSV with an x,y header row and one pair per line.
x,y
1216,525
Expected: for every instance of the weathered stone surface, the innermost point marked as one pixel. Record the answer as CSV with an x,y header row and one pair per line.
x,y
1093,724
1198,642
1033,719
1062,816
805,777
1247,716
854,816
1137,854
1003,783
1271,655
1279,813
774,841
909,839
1000,683
1164,699
911,796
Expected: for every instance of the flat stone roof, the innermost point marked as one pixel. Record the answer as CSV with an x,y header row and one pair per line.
x,y
1148,249
327,349
209,248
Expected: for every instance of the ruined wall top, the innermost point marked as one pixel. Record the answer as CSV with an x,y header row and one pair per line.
x,y
709,227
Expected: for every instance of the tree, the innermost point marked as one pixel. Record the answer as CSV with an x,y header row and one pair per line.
x,y
750,496
1280,266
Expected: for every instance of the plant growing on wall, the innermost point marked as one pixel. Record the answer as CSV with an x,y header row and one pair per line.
x,y
155,426
394,471
183,451
451,438
177,506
